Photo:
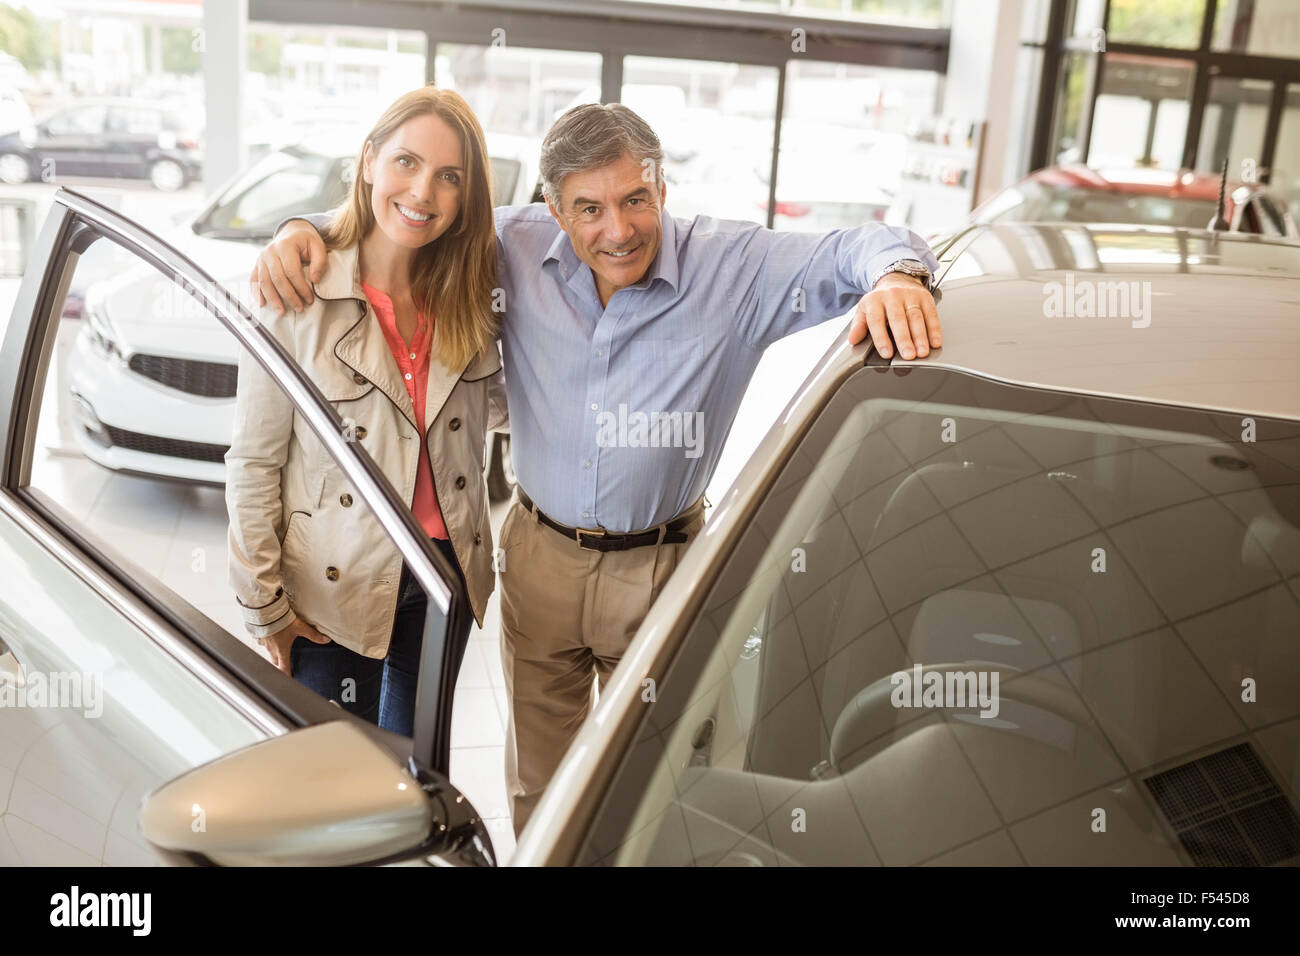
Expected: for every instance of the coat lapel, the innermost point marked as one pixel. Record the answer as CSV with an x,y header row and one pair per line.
x,y
441,382
363,346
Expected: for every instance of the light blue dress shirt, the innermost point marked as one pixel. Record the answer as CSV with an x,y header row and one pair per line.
x,y
618,414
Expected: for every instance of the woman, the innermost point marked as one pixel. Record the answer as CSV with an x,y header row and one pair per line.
x,y
401,338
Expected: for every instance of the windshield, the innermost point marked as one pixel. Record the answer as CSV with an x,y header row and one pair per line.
x,y
1032,202
972,623
286,183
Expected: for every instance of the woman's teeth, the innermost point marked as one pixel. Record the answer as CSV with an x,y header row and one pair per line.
x,y
413,214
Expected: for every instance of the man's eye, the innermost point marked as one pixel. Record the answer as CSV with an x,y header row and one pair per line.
x,y
589,210
634,201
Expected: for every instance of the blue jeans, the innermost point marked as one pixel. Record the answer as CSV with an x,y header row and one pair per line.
x,y
384,691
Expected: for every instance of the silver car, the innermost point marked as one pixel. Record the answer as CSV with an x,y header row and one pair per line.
x,y
1031,600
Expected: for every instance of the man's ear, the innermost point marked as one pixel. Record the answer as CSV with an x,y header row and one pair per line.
x,y
550,207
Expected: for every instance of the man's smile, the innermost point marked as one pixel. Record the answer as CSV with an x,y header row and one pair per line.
x,y
624,253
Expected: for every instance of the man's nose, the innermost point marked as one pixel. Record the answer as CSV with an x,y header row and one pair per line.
x,y
619,228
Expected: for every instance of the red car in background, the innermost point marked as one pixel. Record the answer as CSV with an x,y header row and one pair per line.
x,y
1151,197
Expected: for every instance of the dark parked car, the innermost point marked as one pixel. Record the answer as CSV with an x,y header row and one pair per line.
x,y
113,138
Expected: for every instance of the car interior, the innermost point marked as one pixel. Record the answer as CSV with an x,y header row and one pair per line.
x,y
1125,572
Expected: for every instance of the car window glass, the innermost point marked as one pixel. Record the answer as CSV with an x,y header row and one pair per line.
x,y
1271,218
304,183
84,121
968,622
505,177
136,418
1250,219
134,122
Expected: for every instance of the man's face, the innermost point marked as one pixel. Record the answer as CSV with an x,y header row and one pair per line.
x,y
613,218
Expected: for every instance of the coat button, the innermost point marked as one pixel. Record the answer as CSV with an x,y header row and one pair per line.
x,y
478,539
454,424
345,500
332,573
358,378
460,482
361,432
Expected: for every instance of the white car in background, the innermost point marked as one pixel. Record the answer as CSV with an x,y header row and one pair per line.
x,y
15,114
152,378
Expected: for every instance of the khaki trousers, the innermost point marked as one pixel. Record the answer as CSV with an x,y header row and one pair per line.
x,y
567,616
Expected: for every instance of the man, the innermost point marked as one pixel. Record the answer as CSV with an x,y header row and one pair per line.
x,y
629,339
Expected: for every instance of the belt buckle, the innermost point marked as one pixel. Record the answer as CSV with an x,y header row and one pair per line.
x,y
597,533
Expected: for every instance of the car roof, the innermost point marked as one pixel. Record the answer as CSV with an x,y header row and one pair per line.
x,y
1182,184
1213,319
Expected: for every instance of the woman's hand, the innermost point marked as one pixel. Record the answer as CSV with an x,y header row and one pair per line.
x,y
281,641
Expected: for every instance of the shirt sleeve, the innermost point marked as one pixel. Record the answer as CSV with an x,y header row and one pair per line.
x,y
782,282
258,451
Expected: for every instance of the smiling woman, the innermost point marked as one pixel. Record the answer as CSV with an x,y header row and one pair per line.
x,y
401,339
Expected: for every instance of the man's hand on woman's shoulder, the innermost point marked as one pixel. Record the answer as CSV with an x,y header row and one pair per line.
x,y
278,279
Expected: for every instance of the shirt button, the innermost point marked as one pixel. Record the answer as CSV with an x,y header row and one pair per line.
x,y
454,424
599,352
332,574
412,355
361,431
345,500
586,464
460,481
408,376
478,539
594,407
359,378
586,514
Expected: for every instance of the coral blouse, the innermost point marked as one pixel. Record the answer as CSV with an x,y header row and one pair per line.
x,y
413,363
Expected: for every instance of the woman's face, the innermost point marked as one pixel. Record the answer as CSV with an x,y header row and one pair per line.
x,y
416,178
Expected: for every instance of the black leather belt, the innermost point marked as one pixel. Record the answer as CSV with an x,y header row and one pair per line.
x,y
612,541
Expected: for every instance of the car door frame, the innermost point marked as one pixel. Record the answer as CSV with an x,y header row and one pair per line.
x,y
272,700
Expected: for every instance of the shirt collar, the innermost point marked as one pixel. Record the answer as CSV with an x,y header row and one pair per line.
x,y
664,266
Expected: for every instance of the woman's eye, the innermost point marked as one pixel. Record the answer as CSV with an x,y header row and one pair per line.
x,y
404,160
453,178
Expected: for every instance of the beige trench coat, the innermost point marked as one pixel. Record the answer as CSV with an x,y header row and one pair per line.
x,y
300,539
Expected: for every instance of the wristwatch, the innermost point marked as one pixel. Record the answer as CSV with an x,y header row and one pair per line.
x,y
911,267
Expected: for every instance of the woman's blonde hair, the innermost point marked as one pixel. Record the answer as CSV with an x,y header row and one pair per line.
x,y
454,277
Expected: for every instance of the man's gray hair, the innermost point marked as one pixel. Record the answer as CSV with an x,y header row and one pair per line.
x,y
594,135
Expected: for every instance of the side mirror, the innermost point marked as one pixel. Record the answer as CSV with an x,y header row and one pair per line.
x,y
326,795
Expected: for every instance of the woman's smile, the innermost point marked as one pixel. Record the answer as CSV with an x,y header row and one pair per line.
x,y
413,217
